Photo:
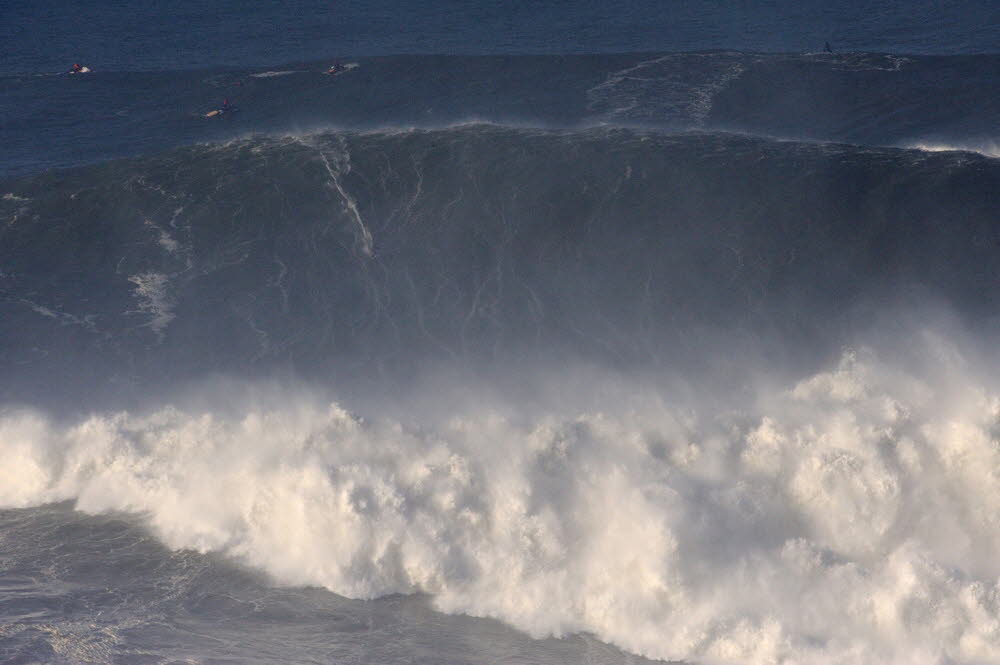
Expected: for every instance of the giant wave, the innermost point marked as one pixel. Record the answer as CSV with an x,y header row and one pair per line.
x,y
359,254
704,395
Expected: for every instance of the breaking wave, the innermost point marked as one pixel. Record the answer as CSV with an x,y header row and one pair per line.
x,y
988,148
849,517
698,393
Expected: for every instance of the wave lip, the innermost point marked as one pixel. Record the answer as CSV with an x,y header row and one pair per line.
x,y
986,147
860,98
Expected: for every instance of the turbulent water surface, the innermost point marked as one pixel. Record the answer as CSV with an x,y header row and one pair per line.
x,y
569,346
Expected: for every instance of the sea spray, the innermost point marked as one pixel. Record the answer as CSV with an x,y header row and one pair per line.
x,y
848,517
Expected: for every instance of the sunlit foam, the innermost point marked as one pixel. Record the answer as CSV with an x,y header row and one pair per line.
x,y
989,148
849,517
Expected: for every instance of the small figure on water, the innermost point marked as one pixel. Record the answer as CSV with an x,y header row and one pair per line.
x,y
224,108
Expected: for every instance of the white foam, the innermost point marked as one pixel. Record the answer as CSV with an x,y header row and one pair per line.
x,y
987,147
154,299
164,239
665,88
265,75
851,517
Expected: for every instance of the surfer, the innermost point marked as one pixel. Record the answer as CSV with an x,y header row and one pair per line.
x,y
77,68
828,49
226,107
336,68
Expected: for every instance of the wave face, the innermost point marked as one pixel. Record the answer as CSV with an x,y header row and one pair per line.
x,y
352,255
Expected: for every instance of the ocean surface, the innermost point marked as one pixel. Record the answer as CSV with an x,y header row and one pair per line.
x,y
542,333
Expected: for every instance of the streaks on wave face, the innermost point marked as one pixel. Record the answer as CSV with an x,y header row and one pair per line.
x,y
372,253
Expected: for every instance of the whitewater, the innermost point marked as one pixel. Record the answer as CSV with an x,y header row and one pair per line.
x,y
848,518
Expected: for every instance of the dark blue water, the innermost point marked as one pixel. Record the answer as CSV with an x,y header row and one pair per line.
x,y
542,333
156,71
47,36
